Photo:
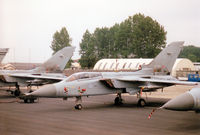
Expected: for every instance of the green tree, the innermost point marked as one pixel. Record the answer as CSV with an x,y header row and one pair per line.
x,y
146,36
60,40
113,49
88,56
191,52
138,36
124,39
101,37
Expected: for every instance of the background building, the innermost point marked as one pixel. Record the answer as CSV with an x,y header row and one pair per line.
x,y
181,65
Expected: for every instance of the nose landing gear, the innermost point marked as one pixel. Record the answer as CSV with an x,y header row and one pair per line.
x,y
78,105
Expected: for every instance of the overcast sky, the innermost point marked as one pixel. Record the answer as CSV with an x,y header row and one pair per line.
x,y
27,26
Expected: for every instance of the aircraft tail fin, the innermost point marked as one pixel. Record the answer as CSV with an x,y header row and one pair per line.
x,y
165,60
58,61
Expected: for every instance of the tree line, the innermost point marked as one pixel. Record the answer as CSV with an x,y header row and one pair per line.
x,y
191,52
138,36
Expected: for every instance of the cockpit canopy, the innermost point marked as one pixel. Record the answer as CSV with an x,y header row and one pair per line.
x,y
84,75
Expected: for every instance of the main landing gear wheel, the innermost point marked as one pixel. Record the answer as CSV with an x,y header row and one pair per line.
x,y
78,107
118,101
17,93
141,102
25,100
29,100
197,111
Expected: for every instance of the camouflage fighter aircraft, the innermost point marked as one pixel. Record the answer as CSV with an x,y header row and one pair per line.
x,y
151,77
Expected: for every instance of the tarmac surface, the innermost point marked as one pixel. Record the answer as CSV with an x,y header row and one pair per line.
x,y
98,117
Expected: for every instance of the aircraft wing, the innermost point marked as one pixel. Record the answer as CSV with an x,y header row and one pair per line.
x,y
160,81
135,84
32,76
31,79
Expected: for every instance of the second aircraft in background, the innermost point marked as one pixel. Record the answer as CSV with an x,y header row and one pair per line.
x,y
44,74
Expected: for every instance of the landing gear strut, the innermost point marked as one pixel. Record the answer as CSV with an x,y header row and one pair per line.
x,y
17,92
78,105
118,99
141,102
28,99
29,88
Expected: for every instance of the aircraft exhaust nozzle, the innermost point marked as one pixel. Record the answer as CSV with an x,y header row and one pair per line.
x,y
182,102
44,91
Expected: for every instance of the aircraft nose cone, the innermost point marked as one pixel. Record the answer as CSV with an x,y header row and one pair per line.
x,y
182,102
45,91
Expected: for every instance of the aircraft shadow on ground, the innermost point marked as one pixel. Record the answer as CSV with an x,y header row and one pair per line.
x,y
6,97
99,107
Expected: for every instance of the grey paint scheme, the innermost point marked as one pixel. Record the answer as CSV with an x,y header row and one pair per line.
x,y
3,52
166,58
185,102
40,75
150,78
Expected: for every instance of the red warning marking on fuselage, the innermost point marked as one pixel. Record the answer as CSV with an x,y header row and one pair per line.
x,y
83,90
65,89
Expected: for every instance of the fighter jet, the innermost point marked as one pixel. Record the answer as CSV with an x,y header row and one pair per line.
x,y
44,74
3,52
185,102
150,78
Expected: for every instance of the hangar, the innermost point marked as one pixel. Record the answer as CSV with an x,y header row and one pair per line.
x,y
181,64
